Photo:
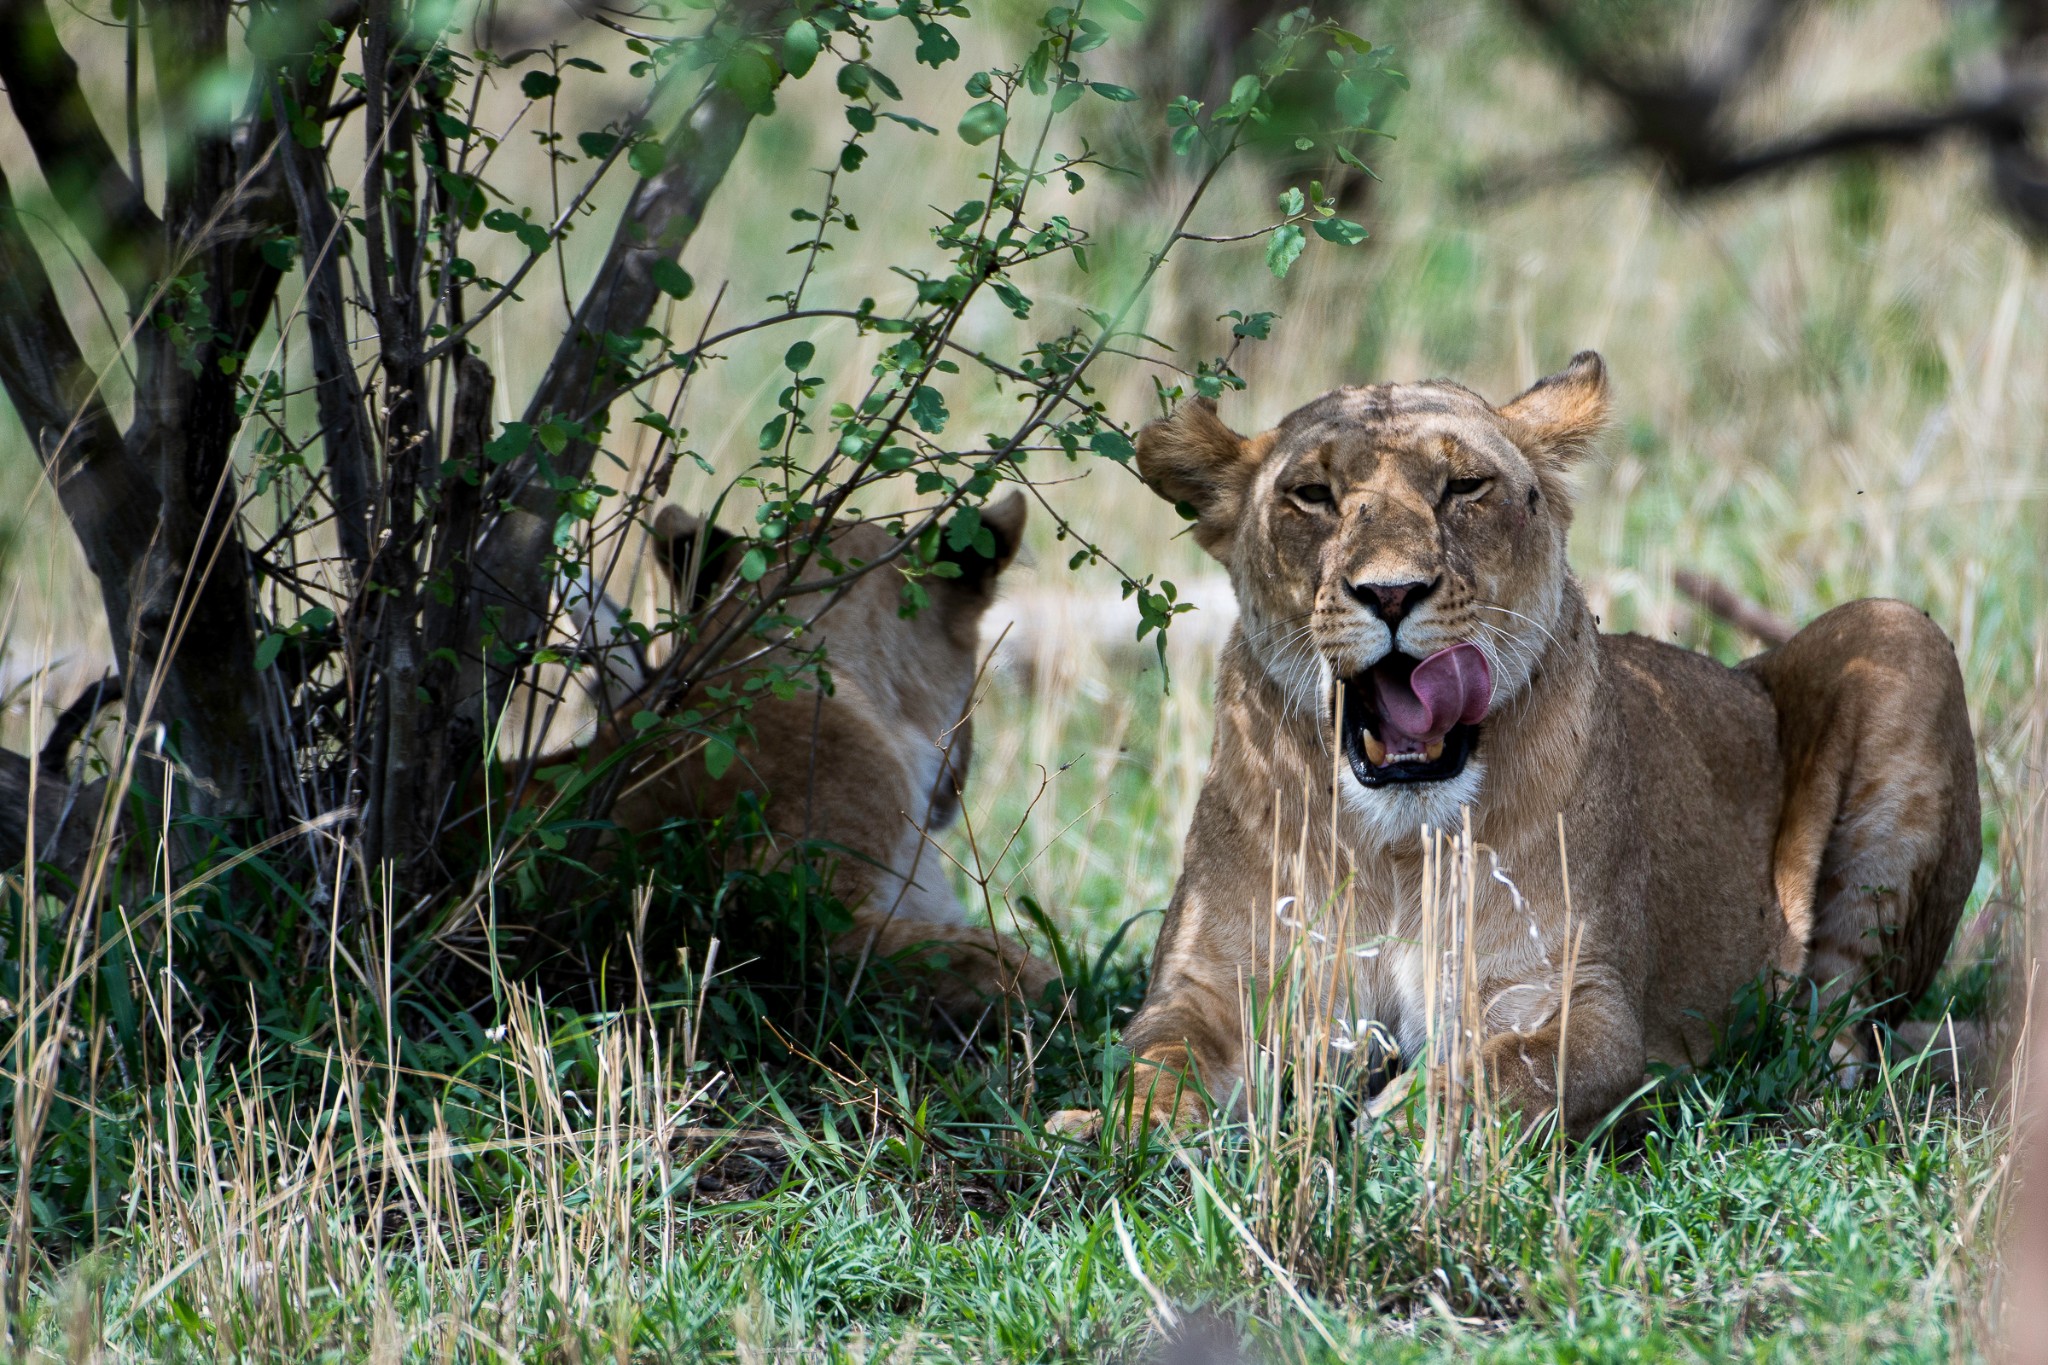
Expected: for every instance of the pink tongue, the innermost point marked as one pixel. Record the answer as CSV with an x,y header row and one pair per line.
x,y
1451,687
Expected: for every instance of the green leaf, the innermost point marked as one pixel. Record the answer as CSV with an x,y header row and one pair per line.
x,y
511,444
1342,231
718,756
750,74
796,357
753,564
800,44
983,122
928,409
555,437
671,279
1285,249
1292,201
584,64
1256,327
279,251
1243,95
771,431
597,146
538,85
936,45
1112,444
649,158
964,532
267,650
1121,94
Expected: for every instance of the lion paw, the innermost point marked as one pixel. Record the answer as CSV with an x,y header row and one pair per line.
x,y
1083,1125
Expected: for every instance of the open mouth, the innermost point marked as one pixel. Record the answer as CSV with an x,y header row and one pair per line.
x,y
1415,720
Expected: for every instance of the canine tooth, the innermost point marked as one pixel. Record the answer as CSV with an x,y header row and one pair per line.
x,y
1375,752
1434,751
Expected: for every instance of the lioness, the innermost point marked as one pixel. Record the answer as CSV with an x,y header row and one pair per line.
x,y
871,768
1398,555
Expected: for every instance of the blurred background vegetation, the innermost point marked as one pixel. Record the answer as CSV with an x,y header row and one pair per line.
x,y
1830,384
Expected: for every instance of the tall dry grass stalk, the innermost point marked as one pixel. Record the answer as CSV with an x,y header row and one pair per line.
x,y
339,1220
1315,1054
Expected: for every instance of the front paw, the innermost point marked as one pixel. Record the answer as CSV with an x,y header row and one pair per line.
x,y
1082,1125
1156,1095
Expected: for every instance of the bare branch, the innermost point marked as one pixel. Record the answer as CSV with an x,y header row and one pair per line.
x,y
1677,115
104,492
83,172
1718,599
658,221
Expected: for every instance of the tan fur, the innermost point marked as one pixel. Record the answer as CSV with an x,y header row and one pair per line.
x,y
1814,810
872,768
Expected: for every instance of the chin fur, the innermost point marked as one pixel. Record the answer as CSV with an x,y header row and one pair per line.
x,y
1391,816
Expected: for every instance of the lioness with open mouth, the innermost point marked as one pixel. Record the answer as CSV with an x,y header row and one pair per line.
x,y
1412,642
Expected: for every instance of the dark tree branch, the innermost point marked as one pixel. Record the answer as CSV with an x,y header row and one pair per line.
x,y
658,221
105,493
84,174
1678,115
345,431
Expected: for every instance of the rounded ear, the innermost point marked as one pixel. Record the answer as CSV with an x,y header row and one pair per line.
x,y
1560,416
1003,519
675,546
1200,466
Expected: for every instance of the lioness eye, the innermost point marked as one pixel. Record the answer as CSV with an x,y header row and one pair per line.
x,y
1315,494
1458,488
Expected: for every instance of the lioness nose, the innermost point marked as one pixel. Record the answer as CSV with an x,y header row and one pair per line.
x,y
1391,601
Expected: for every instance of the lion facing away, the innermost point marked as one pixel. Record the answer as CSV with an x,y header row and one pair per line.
x,y
1398,556
869,769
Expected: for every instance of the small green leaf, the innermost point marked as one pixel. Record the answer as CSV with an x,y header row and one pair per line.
x,y
796,357
671,279
1342,231
753,564
936,45
1112,444
1121,94
267,650
1291,201
555,437
718,756
648,158
983,122
1285,249
800,44
597,146
511,444
928,409
538,85
1243,95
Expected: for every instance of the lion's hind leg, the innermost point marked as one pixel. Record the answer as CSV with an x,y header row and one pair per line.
x,y
1878,838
